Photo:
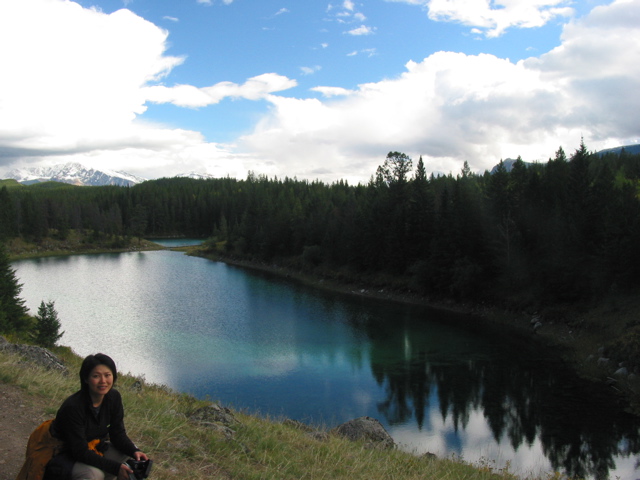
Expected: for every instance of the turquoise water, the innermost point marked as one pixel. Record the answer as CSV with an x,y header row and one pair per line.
x,y
439,383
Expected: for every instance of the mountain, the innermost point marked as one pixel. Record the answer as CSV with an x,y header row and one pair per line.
x,y
630,149
195,175
75,174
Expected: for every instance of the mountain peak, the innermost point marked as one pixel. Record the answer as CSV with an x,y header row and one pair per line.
x,y
75,174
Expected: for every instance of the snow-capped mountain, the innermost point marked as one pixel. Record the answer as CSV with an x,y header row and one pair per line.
x,y
75,174
195,175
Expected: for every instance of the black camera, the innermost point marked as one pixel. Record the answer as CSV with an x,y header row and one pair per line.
x,y
141,468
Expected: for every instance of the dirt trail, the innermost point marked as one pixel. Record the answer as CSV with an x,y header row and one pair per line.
x,y
20,413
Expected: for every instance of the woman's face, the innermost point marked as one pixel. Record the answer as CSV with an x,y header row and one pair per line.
x,y
100,381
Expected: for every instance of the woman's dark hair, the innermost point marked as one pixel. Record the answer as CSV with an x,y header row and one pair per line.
x,y
91,362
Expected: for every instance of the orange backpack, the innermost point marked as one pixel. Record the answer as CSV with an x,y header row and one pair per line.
x,y
41,447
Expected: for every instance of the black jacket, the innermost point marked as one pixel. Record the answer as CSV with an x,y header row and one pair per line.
x,y
76,424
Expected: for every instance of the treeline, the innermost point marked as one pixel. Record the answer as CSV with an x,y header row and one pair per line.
x,y
564,230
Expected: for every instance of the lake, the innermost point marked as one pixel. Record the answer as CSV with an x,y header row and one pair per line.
x,y
438,382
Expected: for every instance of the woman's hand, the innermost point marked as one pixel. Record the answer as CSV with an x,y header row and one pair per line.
x,y
123,473
140,456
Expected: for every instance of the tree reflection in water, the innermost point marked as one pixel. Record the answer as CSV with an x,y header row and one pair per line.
x,y
523,394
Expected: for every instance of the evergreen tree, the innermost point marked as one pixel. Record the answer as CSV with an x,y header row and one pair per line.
x,y
13,313
47,332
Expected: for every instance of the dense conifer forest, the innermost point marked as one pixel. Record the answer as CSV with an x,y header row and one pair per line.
x,y
560,231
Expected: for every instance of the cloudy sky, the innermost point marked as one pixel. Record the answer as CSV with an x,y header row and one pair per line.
x,y
313,89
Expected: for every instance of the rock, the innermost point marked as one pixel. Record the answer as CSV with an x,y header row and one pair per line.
x,y
213,414
367,429
603,362
621,372
37,355
224,430
136,386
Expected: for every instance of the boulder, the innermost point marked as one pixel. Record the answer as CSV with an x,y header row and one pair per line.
x,y
221,429
366,429
213,414
621,372
37,355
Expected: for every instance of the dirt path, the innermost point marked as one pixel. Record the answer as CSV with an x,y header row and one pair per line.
x,y
19,415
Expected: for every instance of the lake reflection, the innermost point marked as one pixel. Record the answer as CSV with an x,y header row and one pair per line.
x,y
256,342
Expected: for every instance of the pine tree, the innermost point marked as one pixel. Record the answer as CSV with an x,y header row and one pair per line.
x,y
13,313
47,331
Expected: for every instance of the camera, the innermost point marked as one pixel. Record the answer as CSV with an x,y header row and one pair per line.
x,y
141,468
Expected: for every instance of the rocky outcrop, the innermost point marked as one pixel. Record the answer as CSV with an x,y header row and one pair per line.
x,y
365,429
213,413
31,353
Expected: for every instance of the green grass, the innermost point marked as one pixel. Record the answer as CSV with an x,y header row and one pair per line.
x,y
10,183
157,419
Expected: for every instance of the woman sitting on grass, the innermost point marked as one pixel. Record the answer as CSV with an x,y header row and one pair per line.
x,y
89,429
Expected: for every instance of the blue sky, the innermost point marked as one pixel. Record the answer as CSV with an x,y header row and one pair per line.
x,y
313,89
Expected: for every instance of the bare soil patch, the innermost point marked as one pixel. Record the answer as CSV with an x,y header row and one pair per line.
x,y
20,414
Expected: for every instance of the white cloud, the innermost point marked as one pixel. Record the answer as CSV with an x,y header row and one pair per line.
x,y
348,14
332,91
452,107
83,101
58,93
254,88
361,30
310,70
495,16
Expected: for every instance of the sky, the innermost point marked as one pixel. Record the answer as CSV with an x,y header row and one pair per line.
x,y
308,89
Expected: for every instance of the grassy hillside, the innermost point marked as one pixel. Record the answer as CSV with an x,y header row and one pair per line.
x,y
260,448
10,183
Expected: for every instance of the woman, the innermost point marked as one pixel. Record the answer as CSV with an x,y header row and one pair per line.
x,y
90,424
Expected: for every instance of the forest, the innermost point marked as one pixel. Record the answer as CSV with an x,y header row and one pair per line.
x,y
561,231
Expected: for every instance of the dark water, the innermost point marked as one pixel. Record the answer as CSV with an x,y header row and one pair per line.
x,y
439,383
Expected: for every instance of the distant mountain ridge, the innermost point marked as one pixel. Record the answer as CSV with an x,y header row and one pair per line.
x,y
196,176
74,174
77,174
630,149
